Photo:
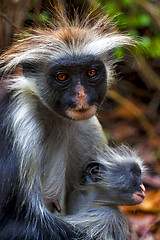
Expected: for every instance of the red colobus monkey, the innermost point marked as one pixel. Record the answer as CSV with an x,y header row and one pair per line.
x,y
54,79
100,185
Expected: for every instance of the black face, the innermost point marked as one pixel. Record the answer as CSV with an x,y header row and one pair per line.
x,y
78,85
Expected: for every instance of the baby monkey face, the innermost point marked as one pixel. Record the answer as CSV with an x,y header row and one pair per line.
x,y
119,184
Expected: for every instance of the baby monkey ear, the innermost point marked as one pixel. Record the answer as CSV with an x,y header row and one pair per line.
x,y
93,173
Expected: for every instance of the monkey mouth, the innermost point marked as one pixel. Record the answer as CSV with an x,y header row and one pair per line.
x,y
139,196
81,113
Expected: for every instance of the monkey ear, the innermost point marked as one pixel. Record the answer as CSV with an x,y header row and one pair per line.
x,y
93,173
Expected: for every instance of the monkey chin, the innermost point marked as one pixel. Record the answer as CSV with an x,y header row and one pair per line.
x,y
81,114
138,197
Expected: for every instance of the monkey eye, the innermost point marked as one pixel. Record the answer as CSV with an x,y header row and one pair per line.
x,y
91,73
62,76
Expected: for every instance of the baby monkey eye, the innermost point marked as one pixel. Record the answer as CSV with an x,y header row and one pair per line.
x,y
61,76
91,73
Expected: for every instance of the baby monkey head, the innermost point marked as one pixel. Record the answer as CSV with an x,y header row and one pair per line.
x,y
116,182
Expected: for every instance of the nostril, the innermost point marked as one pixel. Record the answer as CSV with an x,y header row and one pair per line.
x,y
76,93
79,94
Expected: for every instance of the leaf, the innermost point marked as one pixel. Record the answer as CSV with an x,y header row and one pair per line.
x,y
127,3
119,53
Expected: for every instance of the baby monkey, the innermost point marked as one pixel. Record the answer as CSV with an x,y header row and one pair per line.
x,y
110,181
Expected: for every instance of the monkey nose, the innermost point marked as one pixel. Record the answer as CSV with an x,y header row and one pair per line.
x,y
80,92
142,187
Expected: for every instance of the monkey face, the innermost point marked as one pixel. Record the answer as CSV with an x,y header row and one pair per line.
x,y
76,85
127,184
115,185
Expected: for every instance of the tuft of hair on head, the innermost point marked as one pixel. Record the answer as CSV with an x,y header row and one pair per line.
x,y
98,24
92,33
124,153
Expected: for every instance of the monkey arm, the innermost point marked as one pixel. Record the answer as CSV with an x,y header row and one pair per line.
x,y
23,214
101,223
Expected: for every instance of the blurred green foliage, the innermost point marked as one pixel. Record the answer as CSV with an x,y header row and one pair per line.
x,y
132,18
129,16
40,18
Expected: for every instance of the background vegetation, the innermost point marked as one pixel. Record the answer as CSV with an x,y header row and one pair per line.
x,y
131,112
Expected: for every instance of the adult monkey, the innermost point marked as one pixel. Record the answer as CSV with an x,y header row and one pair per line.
x,y
54,79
